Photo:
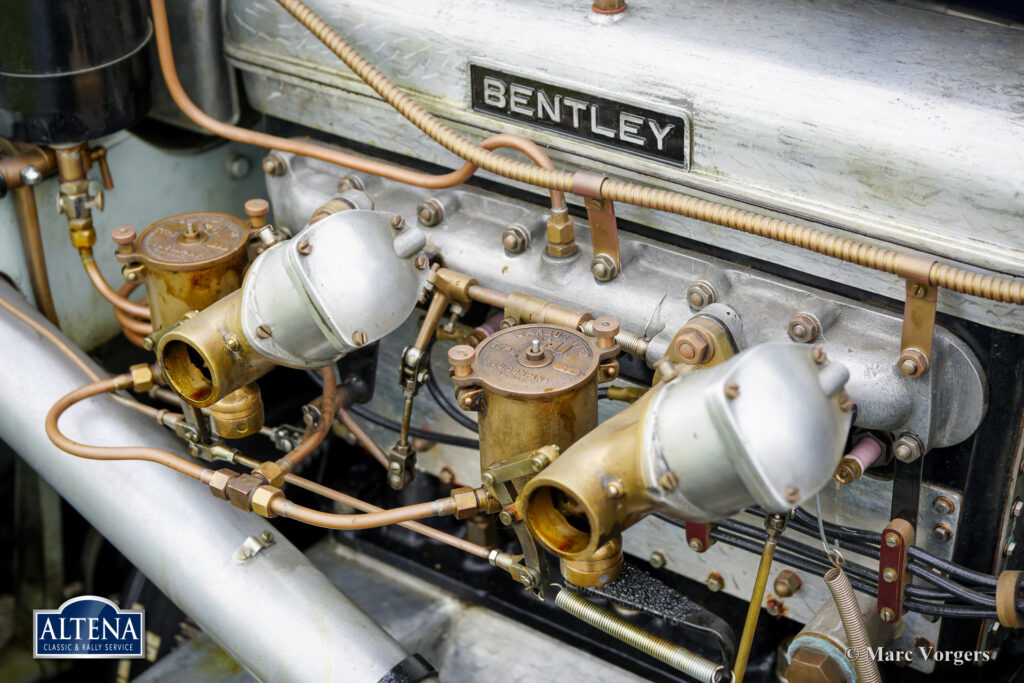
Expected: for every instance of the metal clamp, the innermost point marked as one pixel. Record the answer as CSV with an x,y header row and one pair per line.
x,y
604,230
918,329
897,538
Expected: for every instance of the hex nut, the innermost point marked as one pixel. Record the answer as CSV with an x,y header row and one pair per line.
x,y
701,294
263,497
695,346
270,472
714,582
804,328
658,560
219,482
787,583
515,239
273,165
240,488
812,665
429,213
604,268
907,448
466,502
142,377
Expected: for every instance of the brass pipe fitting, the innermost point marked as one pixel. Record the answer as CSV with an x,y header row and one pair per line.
x,y
239,414
603,566
529,309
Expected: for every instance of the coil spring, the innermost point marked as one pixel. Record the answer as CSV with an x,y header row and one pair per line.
x,y
628,341
677,657
852,251
853,624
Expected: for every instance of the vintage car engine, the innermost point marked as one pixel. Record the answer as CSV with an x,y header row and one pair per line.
x,y
452,341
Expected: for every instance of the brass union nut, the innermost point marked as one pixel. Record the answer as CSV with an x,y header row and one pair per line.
x,y
466,503
142,377
240,488
271,472
262,499
219,483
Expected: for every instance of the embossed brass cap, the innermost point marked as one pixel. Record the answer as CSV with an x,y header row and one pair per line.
x,y
192,241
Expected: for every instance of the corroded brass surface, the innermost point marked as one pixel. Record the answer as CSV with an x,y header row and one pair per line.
x,y
190,260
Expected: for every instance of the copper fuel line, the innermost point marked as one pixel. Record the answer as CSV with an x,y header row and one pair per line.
x,y
899,263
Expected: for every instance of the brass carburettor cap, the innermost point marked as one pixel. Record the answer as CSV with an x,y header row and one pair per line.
x,y
529,361
192,241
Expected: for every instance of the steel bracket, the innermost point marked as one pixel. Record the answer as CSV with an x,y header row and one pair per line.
x,y
604,229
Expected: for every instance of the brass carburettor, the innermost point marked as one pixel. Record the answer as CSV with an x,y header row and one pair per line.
x,y
188,262
536,386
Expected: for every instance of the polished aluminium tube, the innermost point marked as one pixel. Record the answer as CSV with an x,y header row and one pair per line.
x,y
264,612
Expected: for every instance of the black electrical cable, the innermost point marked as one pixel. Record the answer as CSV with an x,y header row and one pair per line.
x,y
381,421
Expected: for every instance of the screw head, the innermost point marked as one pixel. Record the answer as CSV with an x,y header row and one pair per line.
x,y
30,175
942,505
668,481
819,355
397,222
892,539
231,341
908,367
422,261
615,489
658,560
696,545
263,331
888,616
429,213
350,182
792,494
889,575
487,479
714,582
942,533
505,518
304,247
694,348
359,337
917,290
732,390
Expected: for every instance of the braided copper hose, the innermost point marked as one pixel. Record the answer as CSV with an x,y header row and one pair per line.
x,y
852,251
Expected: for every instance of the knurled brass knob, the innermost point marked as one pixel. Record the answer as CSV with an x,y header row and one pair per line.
x,y
123,236
605,330
461,357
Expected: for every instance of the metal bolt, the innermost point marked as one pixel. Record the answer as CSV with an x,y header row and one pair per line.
x,y
615,489
1011,547
888,616
942,505
487,479
912,363
30,175
123,235
505,518
232,342
694,347
696,545
422,261
515,238
267,538
804,328
819,355
732,390
304,247
658,560
668,481
506,323
238,167
942,533
538,463
350,182
892,540
700,294
429,213
397,222
1017,508
792,494
907,448
263,331
359,337
889,575
917,290
787,583
714,582
273,165
908,367
604,268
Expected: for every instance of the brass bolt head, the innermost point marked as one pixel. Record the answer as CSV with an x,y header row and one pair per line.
x,y
668,481
505,518
397,222
219,483
804,328
142,377
819,355
515,239
273,165
304,247
694,348
889,575
429,213
714,582
812,665
917,290
231,341
270,472
350,182
888,616
732,390
422,261
615,489
263,331
696,545
604,268
787,583
359,337
658,560
792,494
892,539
